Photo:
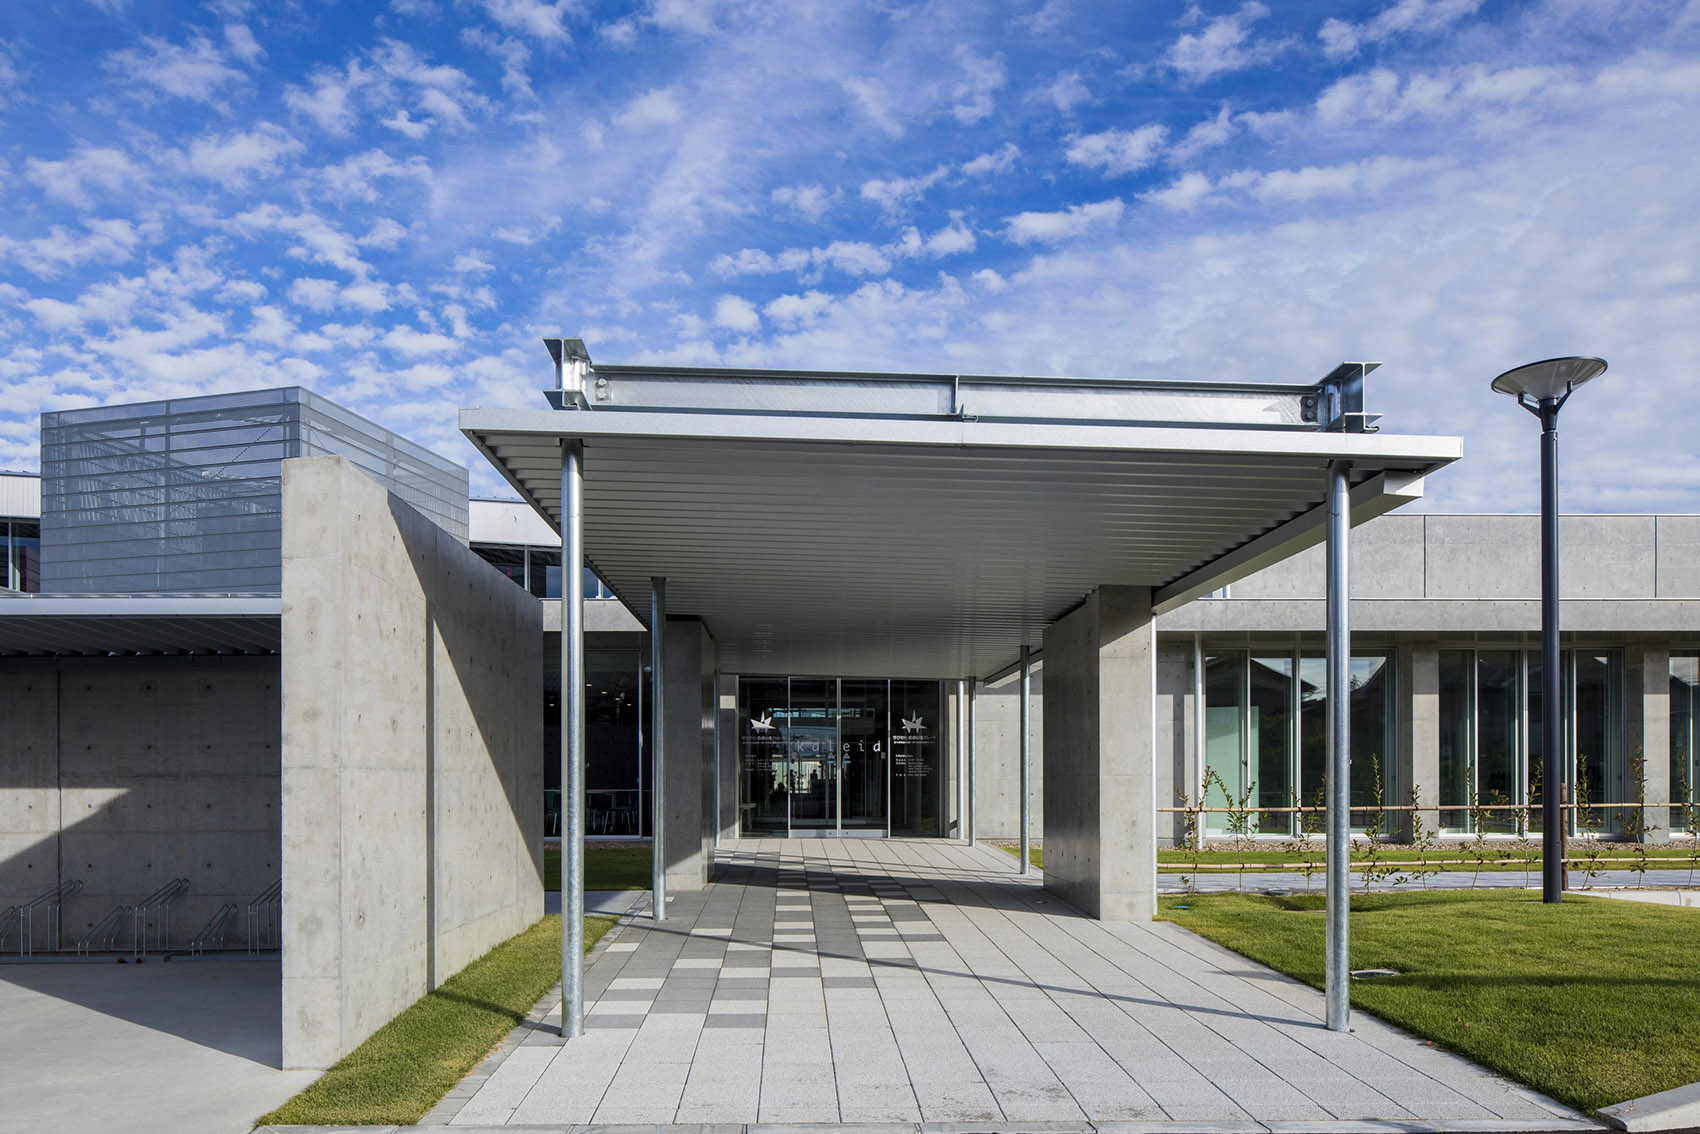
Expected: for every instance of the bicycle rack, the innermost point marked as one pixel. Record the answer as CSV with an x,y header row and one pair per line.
x,y
103,938
50,903
212,934
160,903
264,916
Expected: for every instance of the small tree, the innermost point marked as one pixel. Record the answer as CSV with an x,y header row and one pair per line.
x,y
1310,825
1527,849
1194,836
1480,816
1689,808
1423,840
1633,818
1239,811
1588,823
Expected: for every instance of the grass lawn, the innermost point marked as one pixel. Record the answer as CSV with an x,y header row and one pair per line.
x,y
605,868
1035,852
410,1063
1450,857
1591,1002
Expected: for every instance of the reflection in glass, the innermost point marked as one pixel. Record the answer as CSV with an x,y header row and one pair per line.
x,y
1269,736
1684,734
1225,740
1496,735
1457,736
917,709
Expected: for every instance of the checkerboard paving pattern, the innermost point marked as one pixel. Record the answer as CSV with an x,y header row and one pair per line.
x,y
908,981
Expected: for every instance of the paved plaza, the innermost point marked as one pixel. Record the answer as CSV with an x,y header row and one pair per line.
x,y
923,981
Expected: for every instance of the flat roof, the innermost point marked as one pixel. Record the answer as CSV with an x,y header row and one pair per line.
x,y
876,525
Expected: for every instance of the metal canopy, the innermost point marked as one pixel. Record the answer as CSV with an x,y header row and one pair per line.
x,y
849,542
139,625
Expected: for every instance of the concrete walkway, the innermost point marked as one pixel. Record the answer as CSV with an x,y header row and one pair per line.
x,y
190,1047
921,981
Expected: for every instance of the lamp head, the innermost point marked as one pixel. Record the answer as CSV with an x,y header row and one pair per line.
x,y
1552,379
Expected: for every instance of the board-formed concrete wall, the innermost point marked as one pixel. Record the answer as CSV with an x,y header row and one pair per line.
x,y
997,757
412,786
125,773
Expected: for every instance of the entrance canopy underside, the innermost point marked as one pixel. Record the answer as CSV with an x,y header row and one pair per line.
x,y
925,546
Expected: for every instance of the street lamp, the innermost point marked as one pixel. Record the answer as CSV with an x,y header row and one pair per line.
x,y
1542,388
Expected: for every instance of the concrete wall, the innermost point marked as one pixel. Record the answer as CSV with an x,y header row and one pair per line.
x,y
1100,774
411,777
687,747
125,773
997,757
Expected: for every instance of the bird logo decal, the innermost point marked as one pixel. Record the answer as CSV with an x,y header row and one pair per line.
x,y
761,724
912,724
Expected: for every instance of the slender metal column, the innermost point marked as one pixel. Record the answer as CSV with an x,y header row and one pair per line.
x,y
1026,763
658,770
961,758
1552,730
572,733
715,763
1337,992
973,694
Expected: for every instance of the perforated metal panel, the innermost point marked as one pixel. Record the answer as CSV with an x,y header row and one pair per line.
x,y
186,495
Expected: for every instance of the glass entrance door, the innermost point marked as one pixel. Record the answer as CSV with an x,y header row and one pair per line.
x,y
811,742
815,756
864,745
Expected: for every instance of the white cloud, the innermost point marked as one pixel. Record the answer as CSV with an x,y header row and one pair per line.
x,y
313,294
989,280
241,43
413,343
736,313
1184,194
1341,38
652,108
1224,45
61,250
808,201
794,309
402,123
232,159
1117,152
1068,91
196,71
361,177
1349,178
1204,135
1000,160
985,76
874,100
621,33
329,99
1053,228
892,194
385,233
69,180
531,17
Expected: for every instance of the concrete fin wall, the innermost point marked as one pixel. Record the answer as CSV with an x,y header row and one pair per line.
x,y
411,758
688,755
1100,756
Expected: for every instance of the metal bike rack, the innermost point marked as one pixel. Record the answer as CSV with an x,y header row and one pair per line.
x,y
159,903
24,918
103,938
264,917
212,934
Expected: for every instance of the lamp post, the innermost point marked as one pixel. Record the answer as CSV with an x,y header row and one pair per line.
x,y
1542,388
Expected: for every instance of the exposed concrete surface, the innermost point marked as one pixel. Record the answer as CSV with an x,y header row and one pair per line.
x,y
125,773
412,787
909,982
997,757
189,1047
1100,777
688,711
1675,1109
1687,898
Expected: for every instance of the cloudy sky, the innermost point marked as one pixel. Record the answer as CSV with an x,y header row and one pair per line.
x,y
391,202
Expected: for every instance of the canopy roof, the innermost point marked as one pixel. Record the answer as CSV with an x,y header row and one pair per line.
x,y
126,625
928,525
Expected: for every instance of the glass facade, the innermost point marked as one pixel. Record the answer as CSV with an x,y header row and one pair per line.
x,y
537,569
840,756
1491,747
617,766
186,495
1266,736
20,555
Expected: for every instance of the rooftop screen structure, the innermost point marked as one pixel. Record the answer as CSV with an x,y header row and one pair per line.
x,y
185,495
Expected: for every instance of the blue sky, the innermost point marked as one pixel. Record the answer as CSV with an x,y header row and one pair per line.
x,y
391,202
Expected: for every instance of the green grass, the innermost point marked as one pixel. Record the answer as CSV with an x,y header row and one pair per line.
x,y
1035,852
605,868
410,1063
1450,857
1591,1002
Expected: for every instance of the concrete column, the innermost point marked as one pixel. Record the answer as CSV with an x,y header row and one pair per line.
x,y
728,756
1099,772
1646,727
1419,730
687,771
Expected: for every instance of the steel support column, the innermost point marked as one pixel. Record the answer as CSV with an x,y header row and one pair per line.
x,y
1337,994
657,746
961,758
1026,761
572,732
968,814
